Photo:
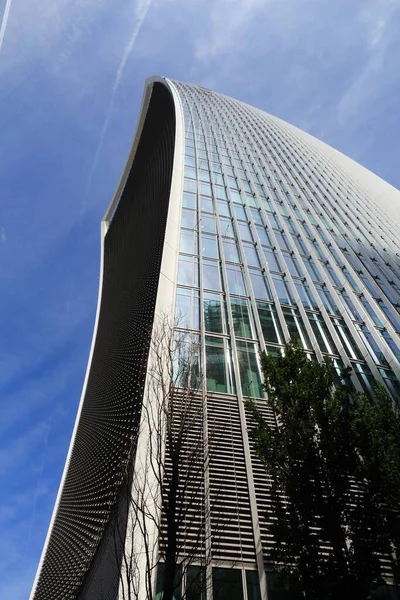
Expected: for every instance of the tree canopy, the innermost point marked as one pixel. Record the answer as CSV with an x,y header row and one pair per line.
x,y
334,463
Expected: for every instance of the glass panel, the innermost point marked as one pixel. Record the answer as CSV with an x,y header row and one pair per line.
x,y
226,227
240,212
205,189
190,185
215,365
264,236
188,242
227,583
186,359
188,273
207,223
209,245
272,259
322,334
391,382
251,255
223,209
195,583
253,585
160,583
305,296
220,192
211,275
213,313
270,324
189,200
365,377
237,197
244,231
235,280
260,286
248,367
241,317
187,308
282,290
189,218
231,251
296,327
349,343
206,204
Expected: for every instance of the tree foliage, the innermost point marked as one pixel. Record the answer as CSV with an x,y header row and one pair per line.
x,y
334,463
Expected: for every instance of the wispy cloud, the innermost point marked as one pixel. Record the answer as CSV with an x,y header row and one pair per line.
x,y
140,13
4,21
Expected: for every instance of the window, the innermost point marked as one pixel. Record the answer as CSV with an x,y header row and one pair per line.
x,y
322,334
296,327
188,243
211,275
282,290
253,585
272,259
190,185
226,227
209,245
189,200
244,232
216,367
264,236
189,218
241,317
270,324
251,255
260,286
235,280
213,313
347,339
227,583
187,308
240,212
231,251
188,271
249,372
206,204
207,223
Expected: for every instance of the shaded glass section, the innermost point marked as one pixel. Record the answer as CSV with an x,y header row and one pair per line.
x,y
227,583
249,370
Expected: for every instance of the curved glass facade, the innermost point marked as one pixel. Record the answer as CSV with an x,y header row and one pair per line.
x,y
275,235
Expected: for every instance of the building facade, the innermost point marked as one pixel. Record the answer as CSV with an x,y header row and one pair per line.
x,y
252,231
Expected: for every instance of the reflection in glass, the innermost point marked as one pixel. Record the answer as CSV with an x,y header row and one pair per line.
x,y
235,280
211,275
260,286
187,308
188,271
241,317
249,371
231,251
213,313
270,324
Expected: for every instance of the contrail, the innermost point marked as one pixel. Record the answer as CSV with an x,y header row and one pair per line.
x,y
141,12
4,21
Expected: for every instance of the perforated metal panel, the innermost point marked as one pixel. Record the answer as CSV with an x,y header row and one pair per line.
x,y
109,418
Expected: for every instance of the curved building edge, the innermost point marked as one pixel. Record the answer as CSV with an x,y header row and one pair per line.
x,y
166,292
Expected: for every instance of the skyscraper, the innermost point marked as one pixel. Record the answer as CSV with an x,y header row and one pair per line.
x,y
252,231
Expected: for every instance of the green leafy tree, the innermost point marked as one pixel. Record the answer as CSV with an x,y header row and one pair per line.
x,y
333,459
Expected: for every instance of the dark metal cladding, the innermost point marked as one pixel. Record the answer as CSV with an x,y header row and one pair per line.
x,y
108,423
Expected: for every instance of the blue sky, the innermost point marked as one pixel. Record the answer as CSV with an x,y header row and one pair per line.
x,y
71,82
